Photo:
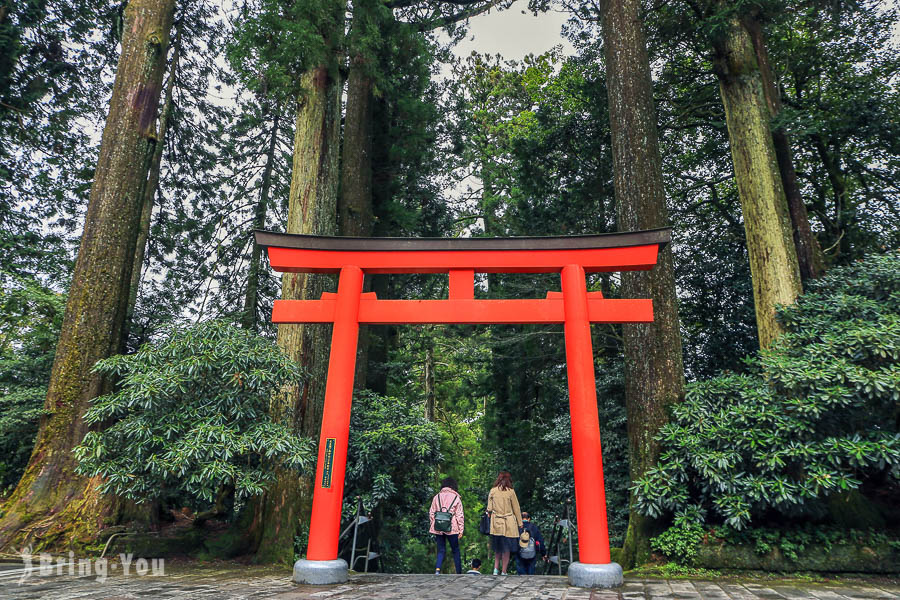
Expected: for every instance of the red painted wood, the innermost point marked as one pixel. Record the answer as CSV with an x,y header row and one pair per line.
x,y
462,284
467,312
295,260
574,307
587,457
325,521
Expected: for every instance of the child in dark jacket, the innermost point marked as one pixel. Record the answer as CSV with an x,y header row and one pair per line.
x,y
525,566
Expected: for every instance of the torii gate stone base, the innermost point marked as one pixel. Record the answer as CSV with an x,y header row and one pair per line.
x,y
461,258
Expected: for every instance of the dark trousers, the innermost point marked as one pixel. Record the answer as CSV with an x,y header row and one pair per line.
x,y
525,566
442,539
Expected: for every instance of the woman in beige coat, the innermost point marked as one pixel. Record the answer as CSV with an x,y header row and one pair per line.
x,y
506,520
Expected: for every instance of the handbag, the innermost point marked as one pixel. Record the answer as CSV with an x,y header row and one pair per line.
x,y
484,526
443,519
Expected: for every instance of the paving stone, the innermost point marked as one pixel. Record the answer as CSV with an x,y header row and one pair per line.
x,y
870,592
250,583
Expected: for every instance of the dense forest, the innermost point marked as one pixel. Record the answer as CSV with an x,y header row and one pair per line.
x,y
144,389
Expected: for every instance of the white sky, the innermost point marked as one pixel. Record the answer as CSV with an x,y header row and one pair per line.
x,y
514,34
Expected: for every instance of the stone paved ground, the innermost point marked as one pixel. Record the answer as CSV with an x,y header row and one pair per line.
x,y
233,583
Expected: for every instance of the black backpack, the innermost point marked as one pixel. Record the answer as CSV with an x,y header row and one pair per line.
x,y
443,519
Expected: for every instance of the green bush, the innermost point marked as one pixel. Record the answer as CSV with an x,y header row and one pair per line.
x,y
816,415
392,458
680,541
30,319
190,418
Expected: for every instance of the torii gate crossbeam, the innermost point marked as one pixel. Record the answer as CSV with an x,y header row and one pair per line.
x,y
461,258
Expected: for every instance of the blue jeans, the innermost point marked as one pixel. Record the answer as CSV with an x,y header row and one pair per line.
x,y
442,539
525,566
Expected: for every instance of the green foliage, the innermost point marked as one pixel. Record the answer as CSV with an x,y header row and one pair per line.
x,y
839,65
393,455
535,132
818,415
276,42
557,483
54,85
392,450
680,541
190,418
30,318
793,541
672,570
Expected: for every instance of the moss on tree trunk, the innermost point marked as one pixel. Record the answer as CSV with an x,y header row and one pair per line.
x,y
654,375
150,187
770,244
355,208
312,209
52,506
809,254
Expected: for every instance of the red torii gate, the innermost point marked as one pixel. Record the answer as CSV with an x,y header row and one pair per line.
x,y
461,258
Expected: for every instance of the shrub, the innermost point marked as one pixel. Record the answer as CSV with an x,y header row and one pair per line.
x,y
680,541
30,319
817,413
393,455
190,418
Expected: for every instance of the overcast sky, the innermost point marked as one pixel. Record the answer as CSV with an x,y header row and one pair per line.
x,y
513,34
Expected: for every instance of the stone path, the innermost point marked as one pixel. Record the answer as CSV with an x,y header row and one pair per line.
x,y
232,583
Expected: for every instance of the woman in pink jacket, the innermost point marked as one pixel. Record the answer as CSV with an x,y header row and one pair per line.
x,y
448,500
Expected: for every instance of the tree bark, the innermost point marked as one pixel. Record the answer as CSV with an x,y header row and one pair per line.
x,y
809,254
355,210
51,504
312,209
251,296
770,244
151,186
654,375
355,203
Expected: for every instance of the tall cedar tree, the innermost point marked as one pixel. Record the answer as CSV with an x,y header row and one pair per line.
x,y
809,254
312,210
770,245
151,185
654,375
51,504
355,210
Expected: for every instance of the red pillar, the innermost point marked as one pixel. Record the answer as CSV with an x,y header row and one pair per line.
x,y
328,493
590,495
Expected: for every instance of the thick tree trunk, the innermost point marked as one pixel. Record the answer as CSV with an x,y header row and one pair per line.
x,y
770,244
809,253
251,296
312,209
355,211
151,185
355,203
654,376
51,504
382,338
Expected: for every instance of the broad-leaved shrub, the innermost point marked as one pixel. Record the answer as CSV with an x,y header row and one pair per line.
x,y
190,418
817,413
